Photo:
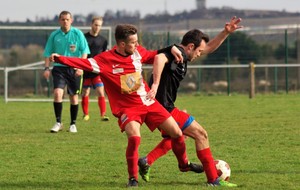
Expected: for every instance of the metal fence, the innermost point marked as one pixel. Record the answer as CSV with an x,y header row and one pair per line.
x,y
227,75
38,89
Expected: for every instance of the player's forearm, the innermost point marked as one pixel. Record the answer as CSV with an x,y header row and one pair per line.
x,y
215,43
79,63
47,62
158,66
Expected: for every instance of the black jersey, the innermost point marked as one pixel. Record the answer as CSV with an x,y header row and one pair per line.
x,y
97,44
173,73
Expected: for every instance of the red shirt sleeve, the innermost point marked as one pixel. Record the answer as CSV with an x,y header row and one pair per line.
x,y
147,55
75,62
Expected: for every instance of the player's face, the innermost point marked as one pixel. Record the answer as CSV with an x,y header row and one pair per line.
x,y
65,22
195,53
131,44
96,27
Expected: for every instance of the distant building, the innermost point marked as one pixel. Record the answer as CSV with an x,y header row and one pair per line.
x,y
201,4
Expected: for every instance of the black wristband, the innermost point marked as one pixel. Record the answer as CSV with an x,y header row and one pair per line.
x,y
46,69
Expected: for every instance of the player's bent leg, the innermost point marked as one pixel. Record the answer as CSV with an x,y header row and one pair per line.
x,y
160,150
197,132
171,128
177,138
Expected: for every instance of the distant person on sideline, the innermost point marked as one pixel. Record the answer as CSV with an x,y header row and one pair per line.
x,y
68,41
97,44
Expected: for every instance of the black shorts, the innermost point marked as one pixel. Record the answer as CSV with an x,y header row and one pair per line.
x,y
63,76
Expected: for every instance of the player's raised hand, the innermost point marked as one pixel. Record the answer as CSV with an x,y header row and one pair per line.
x,y
233,25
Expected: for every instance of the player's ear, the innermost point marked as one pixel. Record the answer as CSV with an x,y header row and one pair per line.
x,y
122,44
191,46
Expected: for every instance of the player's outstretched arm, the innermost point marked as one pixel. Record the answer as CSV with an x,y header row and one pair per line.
x,y
229,28
75,62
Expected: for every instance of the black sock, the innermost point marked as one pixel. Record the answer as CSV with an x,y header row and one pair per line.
x,y
73,111
57,110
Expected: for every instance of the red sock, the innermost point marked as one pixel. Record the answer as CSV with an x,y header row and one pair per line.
x,y
102,105
132,156
161,149
209,167
85,104
179,149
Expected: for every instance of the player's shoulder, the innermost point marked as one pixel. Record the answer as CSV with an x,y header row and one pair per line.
x,y
55,32
104,54
76,30
140,48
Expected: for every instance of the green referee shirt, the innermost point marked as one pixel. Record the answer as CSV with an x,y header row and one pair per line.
x,y
71,44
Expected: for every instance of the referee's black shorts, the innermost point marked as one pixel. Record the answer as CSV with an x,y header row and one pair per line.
x,y
63,76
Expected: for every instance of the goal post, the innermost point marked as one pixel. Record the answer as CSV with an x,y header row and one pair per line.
x,y
23,81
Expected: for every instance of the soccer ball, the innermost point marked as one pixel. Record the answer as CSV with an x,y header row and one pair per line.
x,y
223,169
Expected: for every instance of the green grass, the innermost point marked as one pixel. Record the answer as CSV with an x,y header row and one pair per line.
x,y
259,138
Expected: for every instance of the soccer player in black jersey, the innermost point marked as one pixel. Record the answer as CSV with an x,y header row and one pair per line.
x,y
97,44
164,84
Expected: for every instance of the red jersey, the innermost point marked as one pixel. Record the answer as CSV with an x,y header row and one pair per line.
x,y
122,76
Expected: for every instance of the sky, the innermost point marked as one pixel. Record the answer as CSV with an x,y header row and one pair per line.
x,y
21,10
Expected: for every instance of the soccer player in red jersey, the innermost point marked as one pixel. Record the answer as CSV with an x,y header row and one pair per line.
x,y
121,71
165,82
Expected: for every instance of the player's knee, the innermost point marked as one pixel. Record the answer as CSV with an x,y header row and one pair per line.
x,y
176,133
201,135
85,92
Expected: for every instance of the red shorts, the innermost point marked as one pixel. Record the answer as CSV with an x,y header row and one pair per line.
x,y
182,118
92,82
153,115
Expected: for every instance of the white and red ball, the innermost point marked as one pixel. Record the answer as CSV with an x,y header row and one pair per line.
x,y
223,169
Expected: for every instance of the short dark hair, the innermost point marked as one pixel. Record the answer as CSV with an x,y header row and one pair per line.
x,y
123,31
194,36
65,13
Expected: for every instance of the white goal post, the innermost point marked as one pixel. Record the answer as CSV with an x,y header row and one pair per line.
x,y
37,66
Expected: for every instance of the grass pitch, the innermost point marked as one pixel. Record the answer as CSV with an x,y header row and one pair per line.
x,y
259,138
